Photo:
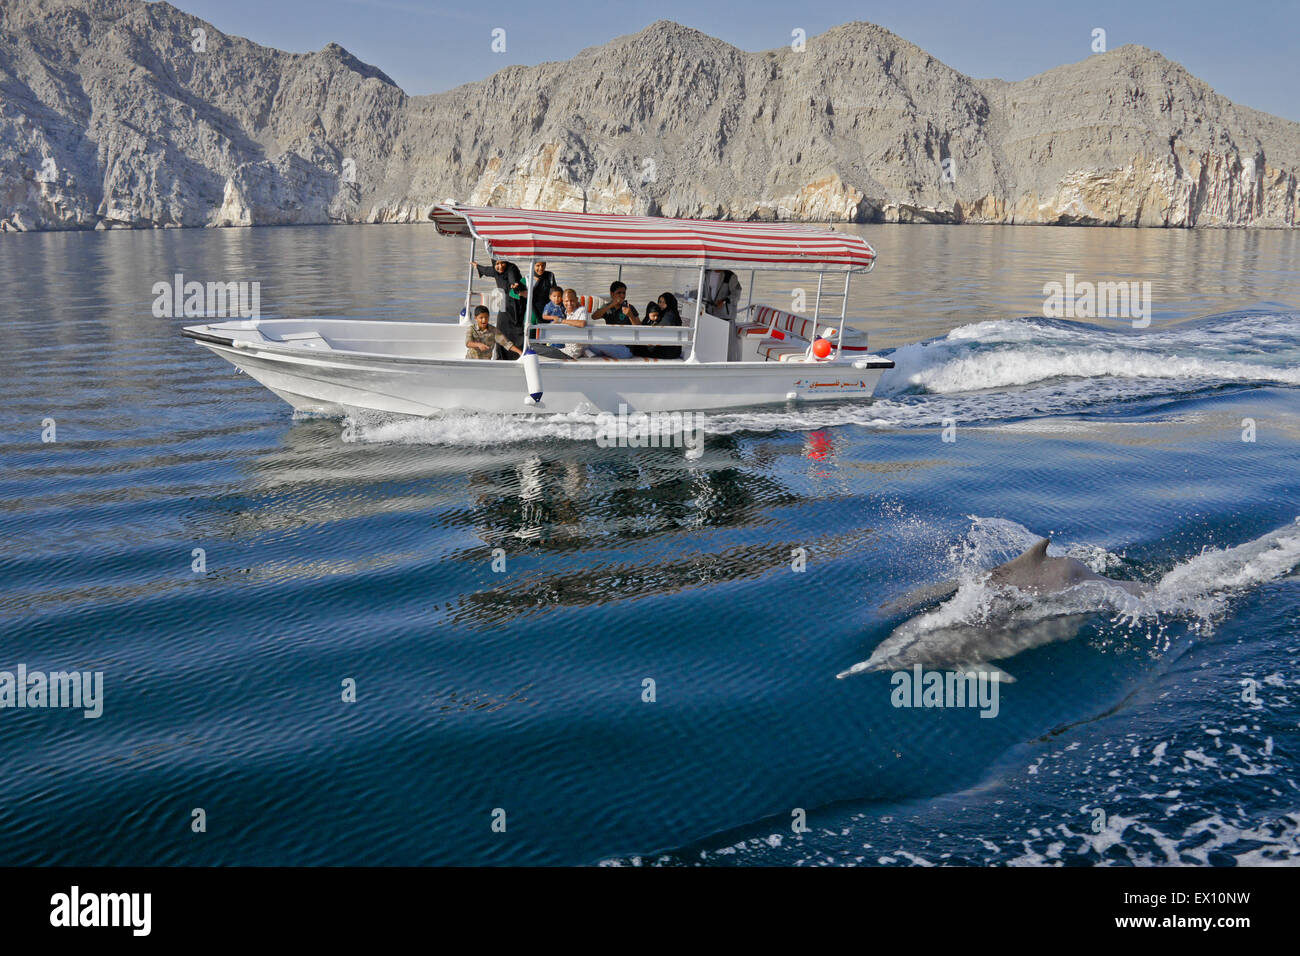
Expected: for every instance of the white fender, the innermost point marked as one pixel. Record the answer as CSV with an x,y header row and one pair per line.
x,y
532,375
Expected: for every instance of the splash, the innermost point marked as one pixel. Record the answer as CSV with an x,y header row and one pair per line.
x,y
982,621
466,430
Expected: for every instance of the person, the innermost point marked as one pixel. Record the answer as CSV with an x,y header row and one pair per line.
x,y
657,315
510,284
721,293
555,308
543,283
651,318
611,311
668,315
624,315
553,312
483,337
575,314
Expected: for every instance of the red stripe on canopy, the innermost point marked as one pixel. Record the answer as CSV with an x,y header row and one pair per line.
x,y
523,234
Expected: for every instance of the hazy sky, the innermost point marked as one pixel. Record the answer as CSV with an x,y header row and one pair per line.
x,y
1248,50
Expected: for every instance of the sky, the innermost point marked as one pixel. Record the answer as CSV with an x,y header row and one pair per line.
x,y
1248,50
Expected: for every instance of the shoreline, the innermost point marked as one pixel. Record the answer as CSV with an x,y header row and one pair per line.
x,y
6,230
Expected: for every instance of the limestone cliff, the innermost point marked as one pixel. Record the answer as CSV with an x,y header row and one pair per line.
x,y
121,113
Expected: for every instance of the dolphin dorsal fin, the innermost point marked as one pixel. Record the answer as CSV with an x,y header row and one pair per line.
x,y
1021,571
1034,555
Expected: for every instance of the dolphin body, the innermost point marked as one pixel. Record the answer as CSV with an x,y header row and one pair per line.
x,y
1006,631
1036,572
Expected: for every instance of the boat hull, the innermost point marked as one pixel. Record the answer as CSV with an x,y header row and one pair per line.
x,y
332,382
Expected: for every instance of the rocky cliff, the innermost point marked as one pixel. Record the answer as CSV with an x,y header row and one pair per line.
x,y
121,113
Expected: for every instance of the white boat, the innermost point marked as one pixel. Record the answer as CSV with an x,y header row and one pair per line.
x,y
760,355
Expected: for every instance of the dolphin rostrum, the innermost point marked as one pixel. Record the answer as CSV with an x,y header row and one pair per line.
x,y
1006,629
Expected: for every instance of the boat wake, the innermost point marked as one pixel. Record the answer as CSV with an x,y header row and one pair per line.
x,y
1253,347
986,373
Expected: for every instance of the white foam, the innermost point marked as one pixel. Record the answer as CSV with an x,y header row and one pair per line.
x,y
1202,585
466,429
1019,352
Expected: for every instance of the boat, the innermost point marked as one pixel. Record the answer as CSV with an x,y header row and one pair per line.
x,y
759,355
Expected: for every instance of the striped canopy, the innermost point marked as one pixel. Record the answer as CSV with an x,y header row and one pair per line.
x,y
532,234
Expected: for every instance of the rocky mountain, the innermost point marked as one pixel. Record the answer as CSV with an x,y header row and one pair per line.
x,y
120,113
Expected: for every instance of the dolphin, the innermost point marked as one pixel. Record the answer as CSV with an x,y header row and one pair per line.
x,y
1036,572
1007,627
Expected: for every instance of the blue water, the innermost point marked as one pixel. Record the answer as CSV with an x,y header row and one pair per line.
x,y
364,550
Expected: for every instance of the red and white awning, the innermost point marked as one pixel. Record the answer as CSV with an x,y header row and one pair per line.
x,y
532,234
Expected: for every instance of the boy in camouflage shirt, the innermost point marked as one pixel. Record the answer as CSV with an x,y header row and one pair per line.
x,y
482,336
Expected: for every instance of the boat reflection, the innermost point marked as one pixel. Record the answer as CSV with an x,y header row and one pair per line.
x,y
580,525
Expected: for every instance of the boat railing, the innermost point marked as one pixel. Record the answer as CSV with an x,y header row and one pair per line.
x,y
614,334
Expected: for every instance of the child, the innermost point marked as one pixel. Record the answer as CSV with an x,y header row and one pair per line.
x,y
555,308
482,337
651,318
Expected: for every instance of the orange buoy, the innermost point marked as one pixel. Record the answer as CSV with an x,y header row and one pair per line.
x,y
821,348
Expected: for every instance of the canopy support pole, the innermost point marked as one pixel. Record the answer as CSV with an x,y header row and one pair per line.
x,y
817,309
749,298
528,358
469,282
699,303
528,307
844,308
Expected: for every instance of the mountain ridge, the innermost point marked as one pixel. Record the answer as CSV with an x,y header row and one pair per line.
x,y
111,117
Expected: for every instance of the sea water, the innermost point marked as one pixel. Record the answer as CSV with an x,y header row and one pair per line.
x,y
481,640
